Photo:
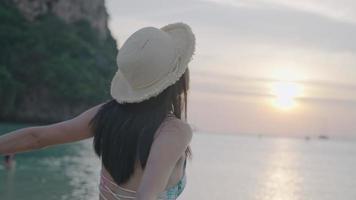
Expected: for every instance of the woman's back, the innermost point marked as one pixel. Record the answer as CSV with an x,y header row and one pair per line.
x,y
109,190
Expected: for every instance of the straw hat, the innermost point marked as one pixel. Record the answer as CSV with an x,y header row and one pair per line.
x,y
150,60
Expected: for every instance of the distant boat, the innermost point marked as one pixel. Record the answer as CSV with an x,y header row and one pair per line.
x,y
323,137
307,138
323,130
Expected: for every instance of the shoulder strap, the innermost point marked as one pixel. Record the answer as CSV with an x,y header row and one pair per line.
x,y
185,163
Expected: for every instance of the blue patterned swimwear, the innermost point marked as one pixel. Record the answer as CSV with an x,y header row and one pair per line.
x,y
173,192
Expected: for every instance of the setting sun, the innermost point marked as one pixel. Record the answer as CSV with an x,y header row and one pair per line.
x,y
285,94
286,89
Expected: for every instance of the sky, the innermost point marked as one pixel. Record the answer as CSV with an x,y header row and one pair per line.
x,y
277,67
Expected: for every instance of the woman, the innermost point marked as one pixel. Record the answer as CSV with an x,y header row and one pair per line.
x,y
140,135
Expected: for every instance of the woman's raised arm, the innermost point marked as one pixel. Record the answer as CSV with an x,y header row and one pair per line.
x,y
38,137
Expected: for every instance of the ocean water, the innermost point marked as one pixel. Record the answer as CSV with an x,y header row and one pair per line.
x,y
223,167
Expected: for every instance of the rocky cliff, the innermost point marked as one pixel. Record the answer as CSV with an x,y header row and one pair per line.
x,y
70,11
57,58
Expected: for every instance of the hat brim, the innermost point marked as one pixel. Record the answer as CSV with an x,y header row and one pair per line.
x,y
184,40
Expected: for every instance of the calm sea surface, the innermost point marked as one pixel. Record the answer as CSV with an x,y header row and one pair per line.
x,y
223,167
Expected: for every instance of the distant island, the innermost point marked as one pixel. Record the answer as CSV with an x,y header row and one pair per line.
x,y
57,58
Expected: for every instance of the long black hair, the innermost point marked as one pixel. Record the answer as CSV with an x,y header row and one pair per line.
x,y
123,132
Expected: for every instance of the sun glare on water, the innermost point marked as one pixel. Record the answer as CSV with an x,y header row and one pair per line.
x,y
285,91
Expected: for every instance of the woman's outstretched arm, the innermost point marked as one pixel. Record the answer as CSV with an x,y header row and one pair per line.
x,y
37,137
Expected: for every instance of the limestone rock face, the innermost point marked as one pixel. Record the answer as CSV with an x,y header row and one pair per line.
x,y
93,11
51,67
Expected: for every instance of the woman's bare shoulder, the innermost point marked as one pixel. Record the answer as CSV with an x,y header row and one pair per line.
x,y
176,127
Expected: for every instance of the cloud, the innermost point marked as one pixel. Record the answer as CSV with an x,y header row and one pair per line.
x,y
254,36
317,92
341,10
252,21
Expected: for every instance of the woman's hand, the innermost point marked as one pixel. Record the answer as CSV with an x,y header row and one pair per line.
x,y
9,161
38,137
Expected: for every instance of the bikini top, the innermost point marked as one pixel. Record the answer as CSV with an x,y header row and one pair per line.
x,y
171,193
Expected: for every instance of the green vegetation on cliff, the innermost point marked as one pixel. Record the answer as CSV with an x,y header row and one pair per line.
x,y
50,70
